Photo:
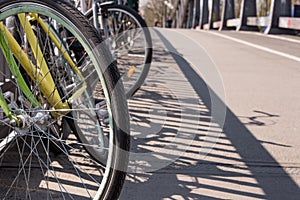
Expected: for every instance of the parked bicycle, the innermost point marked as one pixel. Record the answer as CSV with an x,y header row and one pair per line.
x,y
60,92
127,36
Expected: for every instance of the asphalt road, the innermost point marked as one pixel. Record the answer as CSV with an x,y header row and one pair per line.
x,y
218,118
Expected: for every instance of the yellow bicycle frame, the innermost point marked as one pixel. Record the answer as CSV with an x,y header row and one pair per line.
x,y
41,73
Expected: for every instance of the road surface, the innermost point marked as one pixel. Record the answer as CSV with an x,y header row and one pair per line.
x,y
218,118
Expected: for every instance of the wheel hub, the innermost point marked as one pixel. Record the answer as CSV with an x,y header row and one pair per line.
x,y
40,119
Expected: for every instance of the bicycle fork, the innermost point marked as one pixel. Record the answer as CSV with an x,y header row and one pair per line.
x,y
40,74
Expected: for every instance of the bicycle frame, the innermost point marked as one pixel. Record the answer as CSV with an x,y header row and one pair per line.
x,y
39,73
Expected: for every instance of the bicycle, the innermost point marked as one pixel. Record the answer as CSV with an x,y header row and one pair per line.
x,y
128,38
61,79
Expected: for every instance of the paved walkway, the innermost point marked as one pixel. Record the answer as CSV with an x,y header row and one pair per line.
x,y
185,147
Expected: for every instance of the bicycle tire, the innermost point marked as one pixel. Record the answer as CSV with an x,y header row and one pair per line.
x,y
127,61
27,169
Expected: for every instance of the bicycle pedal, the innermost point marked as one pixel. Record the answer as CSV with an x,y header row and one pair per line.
x,y
100,103
102,111
103,115
106,121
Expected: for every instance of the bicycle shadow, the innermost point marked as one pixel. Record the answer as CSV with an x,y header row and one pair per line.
x,y
26,172
238,167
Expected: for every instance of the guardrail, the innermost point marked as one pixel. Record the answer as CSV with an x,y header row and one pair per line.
x,y
289,23
199,15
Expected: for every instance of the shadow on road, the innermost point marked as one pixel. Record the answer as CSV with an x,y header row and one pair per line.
x,y
238,167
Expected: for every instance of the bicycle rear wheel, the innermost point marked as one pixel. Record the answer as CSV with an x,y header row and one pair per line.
x,y
130,41
90,102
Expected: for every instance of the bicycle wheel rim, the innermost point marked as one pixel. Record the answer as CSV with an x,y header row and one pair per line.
x,y
131,61
48,11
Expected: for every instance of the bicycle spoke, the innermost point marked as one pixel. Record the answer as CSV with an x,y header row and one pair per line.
x,y
58,135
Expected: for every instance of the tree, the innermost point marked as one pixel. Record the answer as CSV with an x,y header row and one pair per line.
x,y
153,11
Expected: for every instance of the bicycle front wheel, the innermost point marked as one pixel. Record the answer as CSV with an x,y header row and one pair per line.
x,y
59,89
129,39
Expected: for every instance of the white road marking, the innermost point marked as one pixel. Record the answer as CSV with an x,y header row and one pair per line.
x,y
283,38
289,56
272,36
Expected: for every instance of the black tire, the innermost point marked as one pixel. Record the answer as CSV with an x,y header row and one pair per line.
x,y
50,176
142,46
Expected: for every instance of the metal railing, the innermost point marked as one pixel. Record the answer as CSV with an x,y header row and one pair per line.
x,y
221,15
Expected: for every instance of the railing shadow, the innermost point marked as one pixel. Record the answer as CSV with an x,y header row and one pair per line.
x,y
238,167
28,171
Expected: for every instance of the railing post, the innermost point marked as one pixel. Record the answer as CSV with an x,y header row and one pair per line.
x,y
227,13
248,9
278,9
179,15
164,17
196,13
182,14
190,14
177,18
214,14
203,13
